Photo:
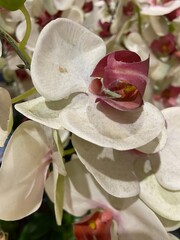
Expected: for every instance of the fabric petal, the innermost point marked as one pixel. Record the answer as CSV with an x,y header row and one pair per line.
x,y
23,172
63,4
127,130
161,10
21,29
166,164
81,189
168,224
162,201
138,222
58,195
64,57
134,220
99,124
6,119
156,144
112,169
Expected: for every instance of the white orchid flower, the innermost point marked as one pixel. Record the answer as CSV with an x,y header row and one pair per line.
x,y
24,171
6,118
112,169
157,9
0,49
120,172
65,56
131,218
159,173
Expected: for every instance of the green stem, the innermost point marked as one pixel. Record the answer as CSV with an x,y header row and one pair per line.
x,y
24,95
68,152
21,53
23,43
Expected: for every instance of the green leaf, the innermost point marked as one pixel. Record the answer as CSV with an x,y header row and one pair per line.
x,y
12,5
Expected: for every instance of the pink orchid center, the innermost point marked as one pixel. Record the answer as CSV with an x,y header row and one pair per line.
x,y
118,91
165,45
94,226
120,80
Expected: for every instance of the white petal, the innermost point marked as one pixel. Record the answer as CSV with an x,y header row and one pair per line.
x,y
23,172
58,195
65,56
0,48
159,25
161,10
163,202
76,14
57,156
21,29
54,188
166,164
81,190
169,225
156,144
63,4
134,219
125,130
112,169
138,222
104,126
173,237
5,115
40,111
134,42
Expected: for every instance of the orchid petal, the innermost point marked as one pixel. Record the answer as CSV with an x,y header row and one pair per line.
x,y
58,195
134,42
6,119
102,125
137,222
40,111
57,156
173,237
81,190
54,187
63,4
23,172
76,14
162,201
21,29
64,57
112,169
156,144
161,10
168,224
123,128
134,219
166,164
0,49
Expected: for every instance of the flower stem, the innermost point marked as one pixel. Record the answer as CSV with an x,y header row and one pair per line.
x,y
23,43
21,53
24,95
68,152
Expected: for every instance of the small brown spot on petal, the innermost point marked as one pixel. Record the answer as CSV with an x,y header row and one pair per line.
x,y
62,69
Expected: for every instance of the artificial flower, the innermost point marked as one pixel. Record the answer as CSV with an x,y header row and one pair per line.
x,y
6,118
61,71
131,218
155,9
24,171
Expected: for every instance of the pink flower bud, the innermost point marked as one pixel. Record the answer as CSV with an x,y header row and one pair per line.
x,y
120,80
164,46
